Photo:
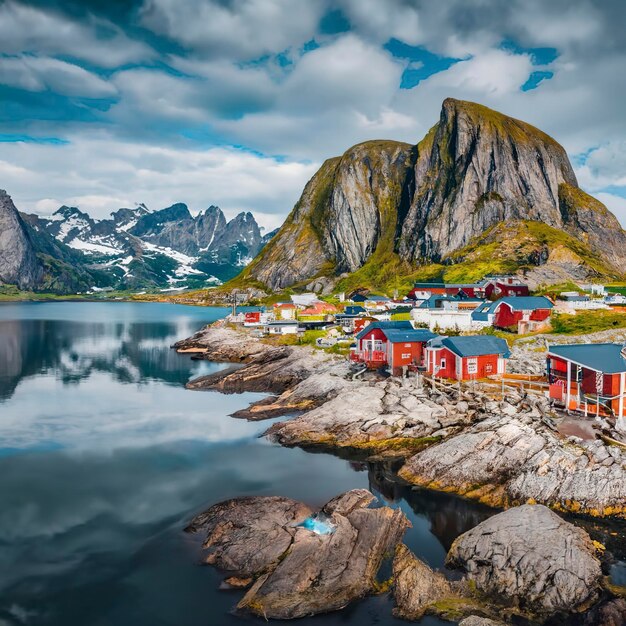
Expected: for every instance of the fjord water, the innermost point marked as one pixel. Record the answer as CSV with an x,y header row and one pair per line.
x,y
104,457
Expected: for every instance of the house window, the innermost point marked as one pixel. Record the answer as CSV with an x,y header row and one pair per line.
x,y
488,368
442,364
406,356
472,366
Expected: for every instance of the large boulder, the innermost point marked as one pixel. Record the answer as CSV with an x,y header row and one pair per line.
x,y
531,558
249,535
415,586
298,569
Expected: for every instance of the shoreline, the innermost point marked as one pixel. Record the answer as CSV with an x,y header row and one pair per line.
x,y
501,452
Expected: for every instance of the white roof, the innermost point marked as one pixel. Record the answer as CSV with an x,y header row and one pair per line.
x,y
305,299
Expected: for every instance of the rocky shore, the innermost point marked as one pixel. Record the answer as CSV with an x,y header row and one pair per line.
x,y
502,449
524,563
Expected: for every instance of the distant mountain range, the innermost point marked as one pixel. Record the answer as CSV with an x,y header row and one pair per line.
x,y
70,252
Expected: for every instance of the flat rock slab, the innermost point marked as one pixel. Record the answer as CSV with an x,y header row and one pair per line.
x,y
249,535
531,558
300,572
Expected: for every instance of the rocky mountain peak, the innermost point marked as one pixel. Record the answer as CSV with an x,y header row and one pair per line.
x,y
409,206
19,264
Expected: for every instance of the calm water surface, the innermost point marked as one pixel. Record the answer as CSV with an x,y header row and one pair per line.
x,y
104,457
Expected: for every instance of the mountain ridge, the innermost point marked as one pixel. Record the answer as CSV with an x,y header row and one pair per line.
x,y
69,251
410,209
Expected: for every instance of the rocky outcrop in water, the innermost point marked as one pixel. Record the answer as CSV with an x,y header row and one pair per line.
x,y
299,571
476,171
415,586
507,460
530,557
18,258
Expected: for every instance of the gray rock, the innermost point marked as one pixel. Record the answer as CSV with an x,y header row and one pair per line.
x,y
18,258
415,585
532,558
507,460
233,529
300,572
474,620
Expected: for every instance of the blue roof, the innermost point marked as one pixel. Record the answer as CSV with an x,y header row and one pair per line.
x,y
601,357
524,303
377,298
476,345
481,312
416,334
400,331
354,310
431,302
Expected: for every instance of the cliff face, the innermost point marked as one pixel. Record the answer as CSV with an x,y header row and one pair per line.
x,y
476,169
348,210
18,259
480,169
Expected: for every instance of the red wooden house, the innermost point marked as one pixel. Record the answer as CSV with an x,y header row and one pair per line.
x,y
590,378
467,358
504,286
525,313
391,344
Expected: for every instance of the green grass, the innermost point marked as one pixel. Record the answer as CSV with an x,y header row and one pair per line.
x,y
401,317
587,322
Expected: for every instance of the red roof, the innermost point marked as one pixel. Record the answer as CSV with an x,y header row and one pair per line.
x,y
319,308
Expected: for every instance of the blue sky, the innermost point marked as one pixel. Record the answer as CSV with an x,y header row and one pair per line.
x,y
237,102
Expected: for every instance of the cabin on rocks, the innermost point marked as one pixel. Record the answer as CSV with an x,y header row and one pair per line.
x,y
525,314
285,311
448,313
466,358
504,286
257,318
590,378
281,327
395,345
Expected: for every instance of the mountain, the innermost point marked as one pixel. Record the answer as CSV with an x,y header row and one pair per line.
x,y
135,248
18,259
444,208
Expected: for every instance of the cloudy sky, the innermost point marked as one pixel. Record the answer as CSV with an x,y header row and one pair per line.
x,y
107,103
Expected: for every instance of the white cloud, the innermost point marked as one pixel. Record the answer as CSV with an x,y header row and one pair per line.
x,y
616,204
604,166
101,174
29,29
238,30
42,73
381,21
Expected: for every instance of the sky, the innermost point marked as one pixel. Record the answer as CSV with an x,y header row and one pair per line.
x,y
110,103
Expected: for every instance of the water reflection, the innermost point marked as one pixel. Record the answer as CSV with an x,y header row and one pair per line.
x,y
104,457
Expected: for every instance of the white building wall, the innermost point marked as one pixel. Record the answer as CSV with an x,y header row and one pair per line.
x,y
447,320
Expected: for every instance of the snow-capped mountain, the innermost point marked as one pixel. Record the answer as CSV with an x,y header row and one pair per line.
x,y
137,248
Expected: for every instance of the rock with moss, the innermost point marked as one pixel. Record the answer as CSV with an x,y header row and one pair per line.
x,y
416,587
531,558
511,459
301,569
